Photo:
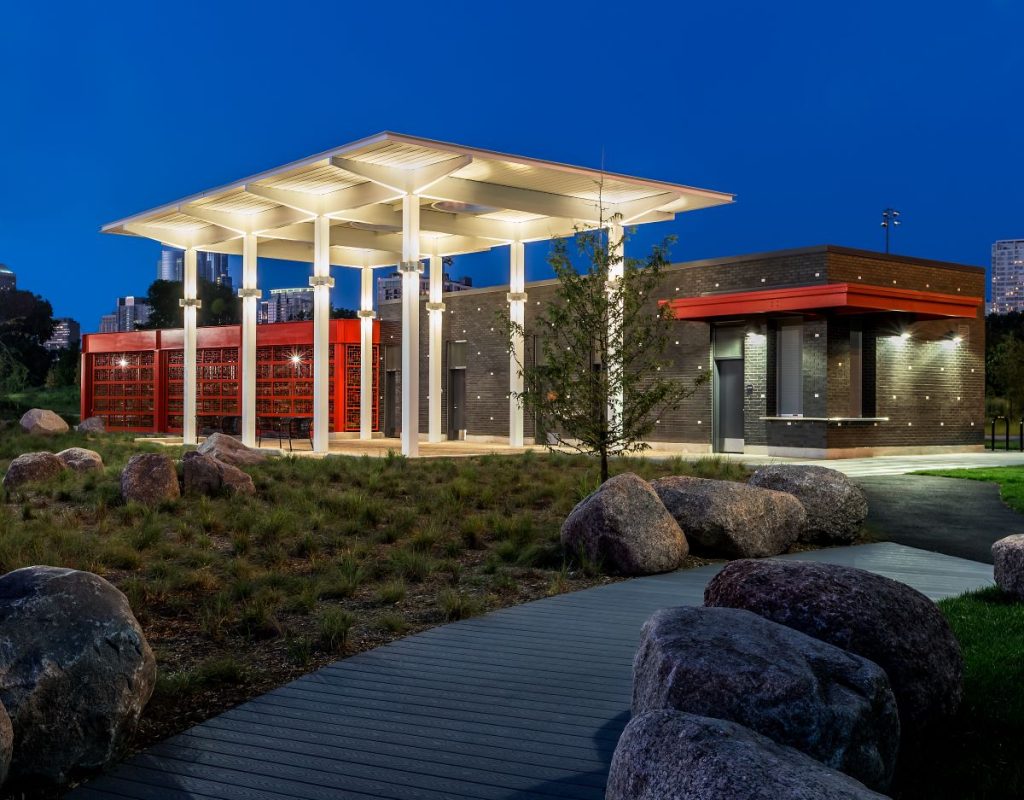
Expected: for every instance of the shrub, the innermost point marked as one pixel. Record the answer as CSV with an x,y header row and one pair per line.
x,y
335,624
342,581
455,605
391,592
393,623
411,565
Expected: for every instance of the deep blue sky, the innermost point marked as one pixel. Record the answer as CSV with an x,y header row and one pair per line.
x,y
817,115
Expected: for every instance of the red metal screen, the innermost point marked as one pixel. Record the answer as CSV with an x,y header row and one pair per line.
x,y
134,380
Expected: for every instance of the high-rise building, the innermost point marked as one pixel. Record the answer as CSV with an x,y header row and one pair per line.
x,y
8,280
66,333
171,265
131,312
1007,276
212,267
389,287
286,305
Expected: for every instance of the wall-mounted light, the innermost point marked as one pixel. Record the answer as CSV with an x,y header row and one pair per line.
x,y
122,362
905,335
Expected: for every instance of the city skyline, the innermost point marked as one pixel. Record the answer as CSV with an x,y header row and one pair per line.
x,y
802,147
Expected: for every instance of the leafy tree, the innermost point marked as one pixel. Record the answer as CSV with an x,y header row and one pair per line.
x,y
13,374
343,313
65,369
220,306
600,339
26,321
1005,370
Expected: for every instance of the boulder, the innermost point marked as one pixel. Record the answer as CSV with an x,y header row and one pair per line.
x,y
729,519
234,481
883,620
80,459
668,755
32,468
75,671
1008,556
150,479
835,505
229,450
92,425
6,743
800,692
43,422
206,475
624,526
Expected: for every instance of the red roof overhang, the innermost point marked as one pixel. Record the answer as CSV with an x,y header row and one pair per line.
x,y
840,297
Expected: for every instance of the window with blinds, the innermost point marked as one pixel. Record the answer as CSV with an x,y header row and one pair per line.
x,y
789,370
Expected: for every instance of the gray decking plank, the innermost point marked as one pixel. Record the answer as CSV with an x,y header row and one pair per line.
x,y
357,758
497,758
301,777
523,749
526,702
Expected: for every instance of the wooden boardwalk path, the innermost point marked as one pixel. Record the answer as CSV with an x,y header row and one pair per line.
x,y
527,702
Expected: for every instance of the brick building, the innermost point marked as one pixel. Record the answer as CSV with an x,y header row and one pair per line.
x,y
817,352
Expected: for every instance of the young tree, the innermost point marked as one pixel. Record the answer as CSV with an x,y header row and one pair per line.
x,y
600,339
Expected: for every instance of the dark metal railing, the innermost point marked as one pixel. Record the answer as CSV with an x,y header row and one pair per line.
x,y
1006,433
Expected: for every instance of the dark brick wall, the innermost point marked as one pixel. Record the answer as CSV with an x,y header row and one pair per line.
x,y
925,412
756,374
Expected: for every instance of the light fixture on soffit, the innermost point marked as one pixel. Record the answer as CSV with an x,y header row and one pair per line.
x,y
455,207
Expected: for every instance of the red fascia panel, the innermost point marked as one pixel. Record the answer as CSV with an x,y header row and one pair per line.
x,y
340,331
845,296
120,342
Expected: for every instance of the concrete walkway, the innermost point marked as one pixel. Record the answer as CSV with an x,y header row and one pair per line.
x,y
900,465
526,702
946,515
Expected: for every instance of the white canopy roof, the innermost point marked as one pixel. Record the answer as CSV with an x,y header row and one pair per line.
x,y
470,199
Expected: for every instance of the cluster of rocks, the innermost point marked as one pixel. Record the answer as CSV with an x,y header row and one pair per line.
x,y
75,673
794,680
43,466
43,422
152,478
634,527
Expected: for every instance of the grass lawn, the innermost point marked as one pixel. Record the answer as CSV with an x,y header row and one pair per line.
x,y
980,754
238,595
63,400
1010,480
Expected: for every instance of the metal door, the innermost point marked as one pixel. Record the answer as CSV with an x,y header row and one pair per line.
x,y
729,405
456,403
391,429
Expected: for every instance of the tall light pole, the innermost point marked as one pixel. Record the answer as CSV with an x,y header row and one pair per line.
x,y
890,219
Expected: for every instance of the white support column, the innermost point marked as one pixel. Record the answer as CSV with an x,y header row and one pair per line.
x,y
190,303
321,283
616,269
517,314
411,270
436,310
250,295
366,315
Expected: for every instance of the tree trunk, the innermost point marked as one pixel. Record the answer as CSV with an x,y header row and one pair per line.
x,y
604,464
